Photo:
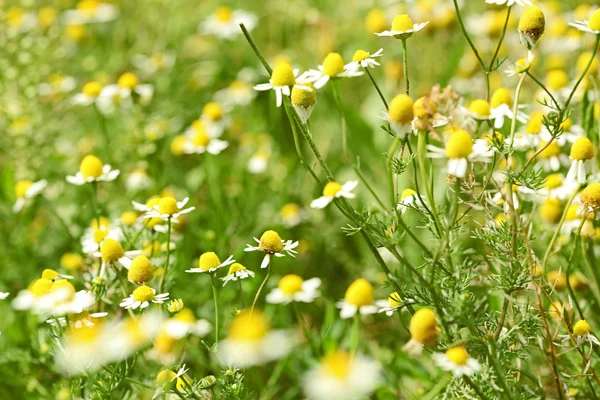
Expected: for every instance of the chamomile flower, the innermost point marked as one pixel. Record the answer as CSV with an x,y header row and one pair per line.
x,y
583,333
201,142
460,150
423,330
237,271
501,108
291,215
410,199
342,376
127,85
140,270
224,23
258,162
531,26
304,101
551,158
168,208
582,153
590,197
510,3
551,210
151,64
111,252
271,243
571,132
457,360
62,298
592,26
94,235
403,27
480,110
334,190
4,295
358,299
25,190
89,94
138,179
214,118
555,187
293,288
521,66
529,137
184,323
78,320
364,59
90,11
250,341
56,85
209,262
91,170
238,93
393,303
142,297
331,68
400,115
283,79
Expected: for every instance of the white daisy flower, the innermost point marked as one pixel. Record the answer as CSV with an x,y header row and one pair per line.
x,y
334,190
89,94
168,208
457,361
460,150
184,323
271,243
91,170
90,11
224,23
27,190
78,321
364,59
582,155
342,376
142,297
392,304
93,236
237,271
4,295
521,66
332,68
592,26
215,119
555,187
151,64
283,79
111,252
403,27
209,262
291,215
294,288
583,334
138,179
358,299
410,199
201,143
258,162
510,3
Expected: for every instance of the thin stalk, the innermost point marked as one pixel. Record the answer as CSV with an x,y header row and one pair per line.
x,y
421,151
513,124
216,301
557,231
260,289
381,96
390,159
589,64
166,269
405,63
355,334
501,38
570,265
593,271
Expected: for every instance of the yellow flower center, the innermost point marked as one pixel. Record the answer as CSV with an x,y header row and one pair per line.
x,y
49,274
591,195
111,250
128,80
99,235
553,181
175,306
551,210
402,23
283,75
423,326
71,261
424,107
141,270
407,193
401,109
521,65
304,98
582,149
165,377
91,166
557,79
209,260
375,21
270,242
186,315
143,293
594,21
459,145
394,300
128,218
104,222
47,16
458,355
64,286
201,138
359,293
235,267
85,334
501,96
534,126
177,145
480,108
581,328
532,21
290,284
360,55
213,111
167,205
552,150
290,210
40,286
21,188
224,14
337,364
14,16
249,326
333,64
331,189
92,89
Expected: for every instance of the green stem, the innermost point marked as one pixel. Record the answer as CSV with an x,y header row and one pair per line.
x,y
589,64
499,371
421,155
355,333
390,159
260,289
405,64
593,271
104,130
166,269
570,265
377,88
309,337
338,103
501,38
557,231
216,301
513,124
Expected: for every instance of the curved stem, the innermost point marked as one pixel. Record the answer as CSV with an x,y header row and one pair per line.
x,y
405,63
501,38
260,289
421,152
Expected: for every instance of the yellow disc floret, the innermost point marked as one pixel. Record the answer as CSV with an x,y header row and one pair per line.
x,y
394,300
283,75
92,89
407,193
359,293
213,111
557,79
91,167
401,109
224,14
594,21
360,55
424,107
235,267
71,261
128,80
304,98
337,364
249,326
290,284
141,270
551,210
270,242
423,326
532,24
402,23
208,261
41,286
375,21
582,149
50,274
333,64
21,188
591,195
549,150
501,96
143,293
111,250
458,355
167,205
581,328
480,107
459,145
331,189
